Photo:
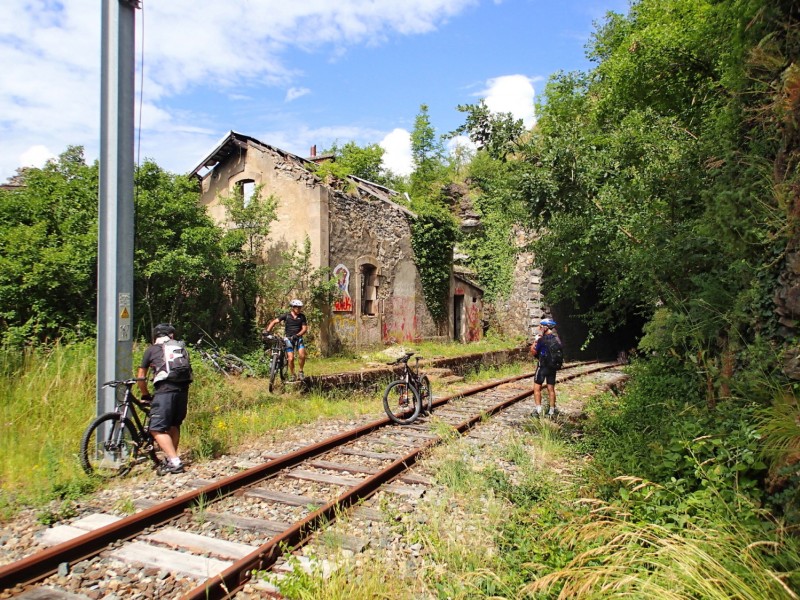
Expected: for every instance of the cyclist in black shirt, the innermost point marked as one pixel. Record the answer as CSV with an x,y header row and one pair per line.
x,y
295,325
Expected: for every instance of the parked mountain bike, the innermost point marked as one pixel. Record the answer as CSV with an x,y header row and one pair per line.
x,y
410,396
117,441
223,362
276,349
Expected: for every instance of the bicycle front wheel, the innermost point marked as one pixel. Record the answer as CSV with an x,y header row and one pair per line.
x,y
275,369
401,402
110,446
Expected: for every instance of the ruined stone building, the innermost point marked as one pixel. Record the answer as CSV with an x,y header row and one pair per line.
x,y
362,235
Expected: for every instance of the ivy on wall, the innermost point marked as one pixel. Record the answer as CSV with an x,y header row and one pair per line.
x,y
433,235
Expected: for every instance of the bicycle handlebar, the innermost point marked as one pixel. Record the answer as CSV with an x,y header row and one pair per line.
x,y
117,383
403,359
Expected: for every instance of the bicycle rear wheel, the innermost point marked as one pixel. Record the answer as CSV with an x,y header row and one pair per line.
x,y
401,402
237,366
110,446
426,394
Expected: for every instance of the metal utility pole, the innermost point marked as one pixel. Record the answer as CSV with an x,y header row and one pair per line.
x,y
115,235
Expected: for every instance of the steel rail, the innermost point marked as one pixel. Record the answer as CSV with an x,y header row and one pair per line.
x,y
38,566
234,578
42,564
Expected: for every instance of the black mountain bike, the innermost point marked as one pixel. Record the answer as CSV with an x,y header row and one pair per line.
x,y
276,347
410,396
117,441
223,362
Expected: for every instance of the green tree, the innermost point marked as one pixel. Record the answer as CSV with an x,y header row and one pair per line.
x,y
181,266
496,133
48,263
654,173
427,154
48,251
365,162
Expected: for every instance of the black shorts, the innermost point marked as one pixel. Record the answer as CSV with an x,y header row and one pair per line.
x,y
544,375
168,409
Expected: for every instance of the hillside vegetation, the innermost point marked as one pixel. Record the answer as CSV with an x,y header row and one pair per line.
x,y
663,188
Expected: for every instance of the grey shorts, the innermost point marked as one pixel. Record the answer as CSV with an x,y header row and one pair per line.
x,y
168,410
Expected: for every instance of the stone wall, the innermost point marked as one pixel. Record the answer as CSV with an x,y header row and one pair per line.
x,y
524,308
376,232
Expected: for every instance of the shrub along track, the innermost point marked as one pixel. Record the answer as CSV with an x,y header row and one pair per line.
x,y
258,512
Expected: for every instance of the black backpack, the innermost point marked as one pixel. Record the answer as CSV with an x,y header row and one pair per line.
x,y
176,362
553,358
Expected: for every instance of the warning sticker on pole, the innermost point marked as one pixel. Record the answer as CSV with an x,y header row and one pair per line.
x,y
124,321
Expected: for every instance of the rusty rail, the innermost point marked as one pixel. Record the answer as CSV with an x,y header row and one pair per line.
x,y
43,564
233,579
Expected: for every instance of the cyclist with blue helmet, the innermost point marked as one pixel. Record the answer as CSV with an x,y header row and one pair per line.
x,y
295,325
545,344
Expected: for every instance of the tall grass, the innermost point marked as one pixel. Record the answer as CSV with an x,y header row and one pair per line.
x,y
719,560
47,398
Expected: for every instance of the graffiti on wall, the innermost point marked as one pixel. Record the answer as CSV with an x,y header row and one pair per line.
x,y
403,324
345,327
474,323
343,302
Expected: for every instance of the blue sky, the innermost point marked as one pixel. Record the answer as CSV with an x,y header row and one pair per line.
x,y
292,74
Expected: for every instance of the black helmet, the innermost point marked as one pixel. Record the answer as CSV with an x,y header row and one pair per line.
x,y
163,329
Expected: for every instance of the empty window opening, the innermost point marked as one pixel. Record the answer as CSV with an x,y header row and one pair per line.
x,y
247,188
369,289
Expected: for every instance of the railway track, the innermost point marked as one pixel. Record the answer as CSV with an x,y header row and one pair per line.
x,y
255,514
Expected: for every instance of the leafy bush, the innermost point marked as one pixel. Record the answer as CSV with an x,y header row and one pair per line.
x,y
661,431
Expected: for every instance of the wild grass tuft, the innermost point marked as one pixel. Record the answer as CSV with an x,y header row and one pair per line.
x,y
618,557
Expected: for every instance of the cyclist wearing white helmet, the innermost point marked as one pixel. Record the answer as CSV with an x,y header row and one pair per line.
x,y
544,347
295,325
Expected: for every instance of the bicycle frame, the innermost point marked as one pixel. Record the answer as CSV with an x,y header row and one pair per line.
x,y
127,409
406,398
117,440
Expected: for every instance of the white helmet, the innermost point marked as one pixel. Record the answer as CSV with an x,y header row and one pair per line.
x,y
296,302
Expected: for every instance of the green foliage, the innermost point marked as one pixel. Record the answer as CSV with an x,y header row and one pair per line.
x,y
251,219
433,234
365,162
491,247
181,268
48,252
495,133
672,146
48,263
699,461
427,154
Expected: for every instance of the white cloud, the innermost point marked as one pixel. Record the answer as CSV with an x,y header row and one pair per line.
x,y
50,53
35,156
461,143
513,94
397,156
293,93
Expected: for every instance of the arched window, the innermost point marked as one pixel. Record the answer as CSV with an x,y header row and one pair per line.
x,y
369,290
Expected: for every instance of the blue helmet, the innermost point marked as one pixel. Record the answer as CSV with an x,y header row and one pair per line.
x,y
549,323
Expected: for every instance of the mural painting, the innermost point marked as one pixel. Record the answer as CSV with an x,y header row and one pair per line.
x,y
343,302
